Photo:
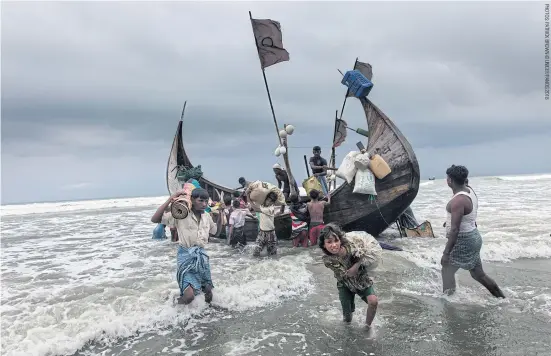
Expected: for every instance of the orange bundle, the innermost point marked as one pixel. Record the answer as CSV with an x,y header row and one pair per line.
x,y
182,205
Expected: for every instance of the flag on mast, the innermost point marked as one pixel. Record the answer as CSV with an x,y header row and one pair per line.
x,y
269,42
340,133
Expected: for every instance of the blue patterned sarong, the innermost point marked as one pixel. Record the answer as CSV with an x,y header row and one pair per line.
x,y
193,269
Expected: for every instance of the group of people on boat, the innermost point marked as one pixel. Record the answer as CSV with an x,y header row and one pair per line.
x,y
343,255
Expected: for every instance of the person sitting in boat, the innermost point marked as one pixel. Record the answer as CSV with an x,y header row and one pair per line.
x,y
192,262
464,241
299,222
316,208
283,179
266,226
319,168
344,258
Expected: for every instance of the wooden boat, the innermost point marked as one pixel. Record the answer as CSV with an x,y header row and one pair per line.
x,y
395,192
352,211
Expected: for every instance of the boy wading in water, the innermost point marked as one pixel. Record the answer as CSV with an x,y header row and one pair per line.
x,y
344,258
237,225
464,241
315,210
266,233
192,262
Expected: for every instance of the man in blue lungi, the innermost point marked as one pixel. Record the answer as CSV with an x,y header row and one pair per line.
x,y
192,262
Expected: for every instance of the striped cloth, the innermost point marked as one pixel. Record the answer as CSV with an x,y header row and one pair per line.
x,y
297,225
465,253
193,269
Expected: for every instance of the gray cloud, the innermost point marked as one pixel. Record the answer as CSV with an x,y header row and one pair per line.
x,y
91,92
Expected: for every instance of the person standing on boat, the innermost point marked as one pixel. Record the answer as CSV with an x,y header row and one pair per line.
x,y
266,232
464,241
283,179
316,208
346,258
319,168
192,262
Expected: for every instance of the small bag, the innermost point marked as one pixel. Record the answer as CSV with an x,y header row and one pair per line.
x,y
159,232
347,169
362,161
365,182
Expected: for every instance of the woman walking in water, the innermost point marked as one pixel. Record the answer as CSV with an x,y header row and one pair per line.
x,y
464,241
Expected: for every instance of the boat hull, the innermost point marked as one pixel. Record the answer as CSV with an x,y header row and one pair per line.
x,y
353,211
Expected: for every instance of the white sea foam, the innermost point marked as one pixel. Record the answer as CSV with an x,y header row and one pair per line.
x,y
525,177
86,205
68,280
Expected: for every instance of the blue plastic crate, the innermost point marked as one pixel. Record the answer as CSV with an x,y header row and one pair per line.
x,y
357,83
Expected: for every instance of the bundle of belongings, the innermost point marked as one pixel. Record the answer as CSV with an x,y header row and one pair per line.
x,y
258,191
182,205
365,248
363,168
185,174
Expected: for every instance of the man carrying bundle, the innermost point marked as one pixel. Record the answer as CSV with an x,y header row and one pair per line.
x,y
266,233
319,168
193,268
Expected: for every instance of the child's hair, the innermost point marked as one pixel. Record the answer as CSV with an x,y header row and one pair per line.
x,y
326,232
227,200
236,204
199,193
314,194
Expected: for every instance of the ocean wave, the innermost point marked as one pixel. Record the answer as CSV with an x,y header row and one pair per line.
x,y
89,205
524,178
61,319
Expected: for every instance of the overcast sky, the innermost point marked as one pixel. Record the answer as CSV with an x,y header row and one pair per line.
x,y
92,92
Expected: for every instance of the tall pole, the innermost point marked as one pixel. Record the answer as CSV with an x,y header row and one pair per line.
x,y
282,141
333,158
266,84
347,91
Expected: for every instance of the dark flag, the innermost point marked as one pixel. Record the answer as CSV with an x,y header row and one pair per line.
x,y
340,133
269,42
